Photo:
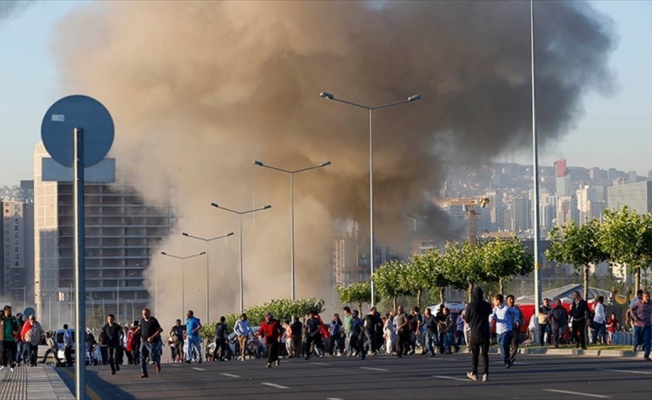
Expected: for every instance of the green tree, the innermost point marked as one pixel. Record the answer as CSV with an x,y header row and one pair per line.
x,y
462,263
357,293
389,280
578,246
627,238
437,275
505,259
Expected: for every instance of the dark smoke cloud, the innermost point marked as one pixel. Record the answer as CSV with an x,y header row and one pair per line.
x,y
200,89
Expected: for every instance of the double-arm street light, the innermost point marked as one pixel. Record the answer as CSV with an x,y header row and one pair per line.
x,y
371,110
207,240
240,214
292,173
183,276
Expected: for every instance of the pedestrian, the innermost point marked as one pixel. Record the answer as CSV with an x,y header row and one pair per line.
x,y
641,315
149,332
558,322
356,334
111,331
612,327
32,334
389,331
504,317
271,330
52,347
515,339
221,340
402,331
193,341
313,333
347,330
544,321
430,321
9,329
20,354
68,342
369,324
242,330
176,347
579,314
599,321
297,332
477,316
335,335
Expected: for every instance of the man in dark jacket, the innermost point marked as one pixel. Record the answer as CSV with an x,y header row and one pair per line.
x,y
477,316
558,322
579,311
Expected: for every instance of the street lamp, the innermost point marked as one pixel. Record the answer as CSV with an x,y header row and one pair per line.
x,y
240,214
371,110
207,240
183,276
291,173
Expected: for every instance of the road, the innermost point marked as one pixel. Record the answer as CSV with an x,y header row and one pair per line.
x,y
380,377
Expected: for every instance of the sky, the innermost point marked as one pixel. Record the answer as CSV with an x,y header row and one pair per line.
x,y
615,130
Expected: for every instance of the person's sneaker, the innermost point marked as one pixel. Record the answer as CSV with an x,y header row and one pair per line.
x,y
634,349
278,363
268,365
200,361
646,358
113,372
472,376
188,361
11,369
117,367
158,368
144,375
485,378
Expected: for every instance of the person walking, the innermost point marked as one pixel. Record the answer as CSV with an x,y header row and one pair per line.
x,y
112,331
68,337
313,333
558,322
221,340
578,314
193,341
335,345
518,322
52,347
431,332
544,322
176,347
477,316
504,317
641,314
271,330
32,335
599,321
242,330
9,329
150,343
402,331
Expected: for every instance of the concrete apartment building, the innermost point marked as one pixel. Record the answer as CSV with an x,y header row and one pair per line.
x,y
121,231
16,236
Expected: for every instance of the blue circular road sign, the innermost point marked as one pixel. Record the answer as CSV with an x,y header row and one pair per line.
x,y
83,112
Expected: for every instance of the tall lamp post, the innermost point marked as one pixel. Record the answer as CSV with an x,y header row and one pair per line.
x,y
207,240
371,110
240,214
292,173
535,176
183,276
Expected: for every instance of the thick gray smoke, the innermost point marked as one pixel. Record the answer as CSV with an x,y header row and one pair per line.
x,y
200,89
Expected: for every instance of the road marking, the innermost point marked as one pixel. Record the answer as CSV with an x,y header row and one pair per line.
x,y
374,369
274,385
198,369
451,378
230,375
324,364
333,398
627,371
599,396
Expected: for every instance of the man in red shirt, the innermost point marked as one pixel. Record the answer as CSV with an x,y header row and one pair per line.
x,y
272,331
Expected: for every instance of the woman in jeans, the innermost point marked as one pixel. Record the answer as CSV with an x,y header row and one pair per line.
x,y
599,321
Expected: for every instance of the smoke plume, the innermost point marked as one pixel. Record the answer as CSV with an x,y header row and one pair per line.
x,y
198,90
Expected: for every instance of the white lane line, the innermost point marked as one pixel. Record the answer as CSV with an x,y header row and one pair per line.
x,y
599,396
451,378
374,369
323,364
199,369
230,375
627,371
333,398
274,385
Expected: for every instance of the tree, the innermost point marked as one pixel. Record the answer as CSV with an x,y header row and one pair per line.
x,y
578,246
627,238
389,280
438,276
505,259
463,265
357,293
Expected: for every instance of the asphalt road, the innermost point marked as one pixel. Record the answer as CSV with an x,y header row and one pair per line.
x,y
380,377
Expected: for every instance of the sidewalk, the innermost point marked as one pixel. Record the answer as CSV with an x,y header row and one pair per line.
x,y
33,383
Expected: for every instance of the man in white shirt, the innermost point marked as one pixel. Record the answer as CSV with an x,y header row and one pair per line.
x,y
504,317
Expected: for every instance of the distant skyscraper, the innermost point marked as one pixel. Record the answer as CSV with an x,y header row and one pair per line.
x,y
16,237
637,196
560,168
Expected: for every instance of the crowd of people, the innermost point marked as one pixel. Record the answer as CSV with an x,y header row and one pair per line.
x,y
398,333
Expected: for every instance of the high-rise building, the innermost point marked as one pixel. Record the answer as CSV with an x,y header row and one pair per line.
x,y
16,237
637,196
121,231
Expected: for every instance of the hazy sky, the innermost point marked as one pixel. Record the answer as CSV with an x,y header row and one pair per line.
x,y
614,132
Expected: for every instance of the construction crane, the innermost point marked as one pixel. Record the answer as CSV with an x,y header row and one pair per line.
x,y
472,218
